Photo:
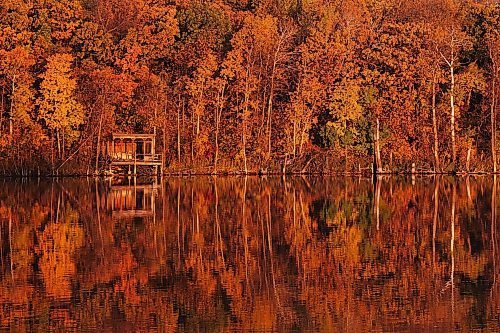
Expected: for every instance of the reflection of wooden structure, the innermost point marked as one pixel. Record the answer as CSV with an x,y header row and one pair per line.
x,y
132,151
132,201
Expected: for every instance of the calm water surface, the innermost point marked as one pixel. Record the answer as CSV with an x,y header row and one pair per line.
x,y
262,255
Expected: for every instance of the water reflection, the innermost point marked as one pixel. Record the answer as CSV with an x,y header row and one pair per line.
x,y
136,200
250,254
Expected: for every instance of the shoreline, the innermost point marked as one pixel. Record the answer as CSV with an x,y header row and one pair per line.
x,y
252,174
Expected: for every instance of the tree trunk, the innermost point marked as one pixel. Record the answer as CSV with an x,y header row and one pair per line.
x,y
302,135
269,113
391,158
450,61
216,157
469,150
58,144
270,102
437,167
12,105
63,144
193,133
179,134
98,147
52,152
493,126
294,146
244,141
200,100
243,121
378,159
197,126
3,110
346,155
218,115
164,153
194,145
452,116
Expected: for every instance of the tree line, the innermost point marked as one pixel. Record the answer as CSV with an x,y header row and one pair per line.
x,y
251,86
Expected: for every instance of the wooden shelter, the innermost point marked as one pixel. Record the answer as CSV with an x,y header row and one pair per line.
x,y
132,151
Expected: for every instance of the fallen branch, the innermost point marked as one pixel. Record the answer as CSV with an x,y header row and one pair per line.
x,y
75,152
307,164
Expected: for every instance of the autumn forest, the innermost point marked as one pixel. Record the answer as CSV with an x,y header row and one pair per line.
x,y
251,86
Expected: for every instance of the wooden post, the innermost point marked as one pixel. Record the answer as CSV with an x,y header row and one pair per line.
x,y
134,146
153,148
125,149
413,171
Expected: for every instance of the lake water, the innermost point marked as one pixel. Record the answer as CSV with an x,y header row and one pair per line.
x,y
250,254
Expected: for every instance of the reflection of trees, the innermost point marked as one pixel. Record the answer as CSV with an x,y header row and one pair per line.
x,y
241,253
